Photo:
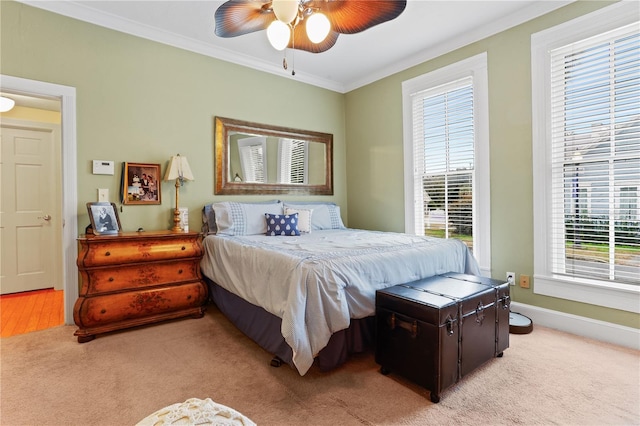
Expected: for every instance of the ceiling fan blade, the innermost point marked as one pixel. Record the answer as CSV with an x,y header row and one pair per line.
x,y
301,40
354,16
237,17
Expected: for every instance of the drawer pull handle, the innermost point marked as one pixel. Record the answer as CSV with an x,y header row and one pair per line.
x,y
103,311
179,271
108,253
189,297
110,279
183,248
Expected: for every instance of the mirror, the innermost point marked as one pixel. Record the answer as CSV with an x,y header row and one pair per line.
x,y
254,158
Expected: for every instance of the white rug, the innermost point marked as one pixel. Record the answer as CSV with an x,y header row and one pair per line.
x,y
196,411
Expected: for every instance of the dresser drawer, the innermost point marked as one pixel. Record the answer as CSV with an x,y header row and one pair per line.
x,y
143,275
120,307
137,278
120,251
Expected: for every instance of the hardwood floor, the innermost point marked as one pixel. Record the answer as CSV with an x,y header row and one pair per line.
x,y
30,311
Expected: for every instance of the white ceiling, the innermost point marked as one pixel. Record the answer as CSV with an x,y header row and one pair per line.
x,y
425,29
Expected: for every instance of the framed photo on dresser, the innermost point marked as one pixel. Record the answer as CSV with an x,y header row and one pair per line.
x,y
104,218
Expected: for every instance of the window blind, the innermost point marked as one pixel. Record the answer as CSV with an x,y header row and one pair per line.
x,y
299,162
595,157
443,152
252,159
292,165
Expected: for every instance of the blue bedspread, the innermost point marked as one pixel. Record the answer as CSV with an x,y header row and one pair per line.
x,y
317,282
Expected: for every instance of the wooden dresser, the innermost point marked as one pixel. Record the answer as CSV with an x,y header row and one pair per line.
x,y
137,278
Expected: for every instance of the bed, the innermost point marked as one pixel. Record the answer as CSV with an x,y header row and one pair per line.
x,y
311,295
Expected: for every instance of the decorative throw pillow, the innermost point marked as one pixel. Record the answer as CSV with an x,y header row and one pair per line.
x,y
282,224
304,218
326,215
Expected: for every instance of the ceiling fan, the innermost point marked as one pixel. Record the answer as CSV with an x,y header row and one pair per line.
x,y
310,25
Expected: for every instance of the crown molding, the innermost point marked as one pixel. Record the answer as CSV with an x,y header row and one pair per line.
x,y
81,12
535,10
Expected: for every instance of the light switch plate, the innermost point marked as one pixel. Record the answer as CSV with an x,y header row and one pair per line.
x,y
103,167
103,194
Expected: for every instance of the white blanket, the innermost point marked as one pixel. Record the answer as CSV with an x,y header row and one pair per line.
x,y
316,282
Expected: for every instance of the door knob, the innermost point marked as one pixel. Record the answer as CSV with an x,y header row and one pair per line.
x,y
45,217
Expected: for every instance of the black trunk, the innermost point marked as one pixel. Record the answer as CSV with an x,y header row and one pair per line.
x,y
437,330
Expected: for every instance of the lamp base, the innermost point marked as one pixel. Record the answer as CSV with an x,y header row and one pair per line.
x,y
176,221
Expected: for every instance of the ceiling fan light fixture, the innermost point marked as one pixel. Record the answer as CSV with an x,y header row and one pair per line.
x,y
234,18
278,34
285,10
6,104
318,27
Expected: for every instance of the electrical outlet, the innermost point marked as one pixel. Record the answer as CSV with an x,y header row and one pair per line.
x,y
524,281
511,278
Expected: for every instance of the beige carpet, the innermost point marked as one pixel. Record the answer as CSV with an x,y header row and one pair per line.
x,y
545,377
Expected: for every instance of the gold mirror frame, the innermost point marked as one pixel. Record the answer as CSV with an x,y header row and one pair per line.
x,y
225,185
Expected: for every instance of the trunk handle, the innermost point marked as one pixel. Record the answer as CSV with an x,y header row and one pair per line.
x,y
412,327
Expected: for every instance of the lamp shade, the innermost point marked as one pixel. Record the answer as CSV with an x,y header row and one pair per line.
x,y
178,169
285,10
6,104
318,27
278,34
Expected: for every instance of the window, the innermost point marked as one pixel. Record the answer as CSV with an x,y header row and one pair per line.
x,y
293,161
253,159
447,155
586,93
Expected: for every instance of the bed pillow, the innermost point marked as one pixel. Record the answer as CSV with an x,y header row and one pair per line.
x,y
234,218
304,218
325,215
208,220
282,224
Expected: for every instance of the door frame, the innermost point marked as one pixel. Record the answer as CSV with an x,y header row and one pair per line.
x,y
67,97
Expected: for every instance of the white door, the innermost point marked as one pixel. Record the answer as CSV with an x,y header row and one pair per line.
x,y
30,208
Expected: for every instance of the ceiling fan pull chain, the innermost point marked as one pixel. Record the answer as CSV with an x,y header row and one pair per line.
x,y
293,51
293,62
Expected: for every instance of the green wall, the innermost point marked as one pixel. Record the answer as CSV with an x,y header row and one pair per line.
x,y
142,101
375,155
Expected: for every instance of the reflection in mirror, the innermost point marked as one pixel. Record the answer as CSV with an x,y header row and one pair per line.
x,y
255,158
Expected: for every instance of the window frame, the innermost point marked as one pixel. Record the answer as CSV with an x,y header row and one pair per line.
x,y
596,292
476,67
250,169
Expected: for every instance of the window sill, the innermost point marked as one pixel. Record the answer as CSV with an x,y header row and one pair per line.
x,y
625,297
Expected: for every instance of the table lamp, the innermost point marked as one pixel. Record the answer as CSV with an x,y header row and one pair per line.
x,y
180,171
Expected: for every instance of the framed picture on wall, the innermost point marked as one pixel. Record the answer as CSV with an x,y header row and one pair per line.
x,y
141,183
104,218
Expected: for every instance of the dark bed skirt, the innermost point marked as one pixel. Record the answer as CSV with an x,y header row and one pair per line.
x,y
264,329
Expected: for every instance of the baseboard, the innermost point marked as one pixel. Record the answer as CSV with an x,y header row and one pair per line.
x,y
582,326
